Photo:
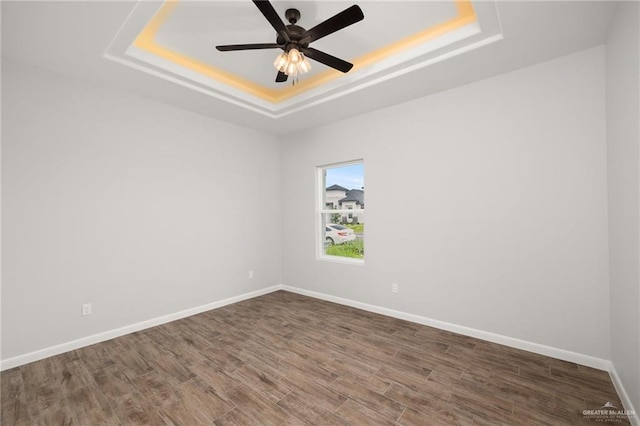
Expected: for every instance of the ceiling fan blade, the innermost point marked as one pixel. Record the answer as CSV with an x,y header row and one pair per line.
x,y
281,77
255,46
272,16
327,59
337,22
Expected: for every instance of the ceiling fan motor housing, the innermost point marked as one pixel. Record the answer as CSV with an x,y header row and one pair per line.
x,y
295,31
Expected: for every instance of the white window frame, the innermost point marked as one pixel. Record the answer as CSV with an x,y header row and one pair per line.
x,y
321,211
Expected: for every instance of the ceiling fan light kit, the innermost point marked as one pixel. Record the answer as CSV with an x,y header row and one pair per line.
x,y
292,63
294,40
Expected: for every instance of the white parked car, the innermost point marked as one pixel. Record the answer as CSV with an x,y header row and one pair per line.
x,y
338,234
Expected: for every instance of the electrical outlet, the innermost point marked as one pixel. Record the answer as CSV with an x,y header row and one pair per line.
x,y
250,274
394,287
86,309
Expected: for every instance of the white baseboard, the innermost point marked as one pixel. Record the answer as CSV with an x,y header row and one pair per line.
x,y
19,360
624,396
589,361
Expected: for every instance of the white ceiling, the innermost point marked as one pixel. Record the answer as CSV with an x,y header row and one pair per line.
x,y
73,37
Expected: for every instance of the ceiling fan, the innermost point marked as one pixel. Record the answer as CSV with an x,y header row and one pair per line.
x,y
294,40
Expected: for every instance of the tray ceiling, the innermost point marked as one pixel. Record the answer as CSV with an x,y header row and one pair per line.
x,y
176,40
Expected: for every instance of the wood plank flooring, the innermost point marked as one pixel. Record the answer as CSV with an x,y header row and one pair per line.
x,y
286,359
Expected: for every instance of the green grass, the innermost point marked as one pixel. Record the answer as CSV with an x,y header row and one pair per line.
x,y
354,249
358,228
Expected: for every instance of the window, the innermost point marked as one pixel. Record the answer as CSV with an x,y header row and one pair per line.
x,y
340,212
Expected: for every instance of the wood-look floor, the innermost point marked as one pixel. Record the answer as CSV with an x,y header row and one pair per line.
x,y
286,359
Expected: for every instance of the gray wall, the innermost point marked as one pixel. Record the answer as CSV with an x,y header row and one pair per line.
x,y
139,208
487,204
623,138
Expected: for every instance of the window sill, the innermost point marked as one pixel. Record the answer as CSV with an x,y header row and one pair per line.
x,y
340,259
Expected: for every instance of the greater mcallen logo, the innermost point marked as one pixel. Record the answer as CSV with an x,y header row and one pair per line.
x,y
608,413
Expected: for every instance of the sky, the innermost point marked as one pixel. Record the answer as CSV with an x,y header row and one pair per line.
x,y
350,177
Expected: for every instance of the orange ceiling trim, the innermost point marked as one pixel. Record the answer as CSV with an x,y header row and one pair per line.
x,y
146,41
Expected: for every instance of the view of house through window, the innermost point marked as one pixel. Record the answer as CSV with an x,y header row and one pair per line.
x,y
342,218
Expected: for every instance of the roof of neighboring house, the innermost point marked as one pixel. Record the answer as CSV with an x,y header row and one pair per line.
x,y
356,195
337,188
